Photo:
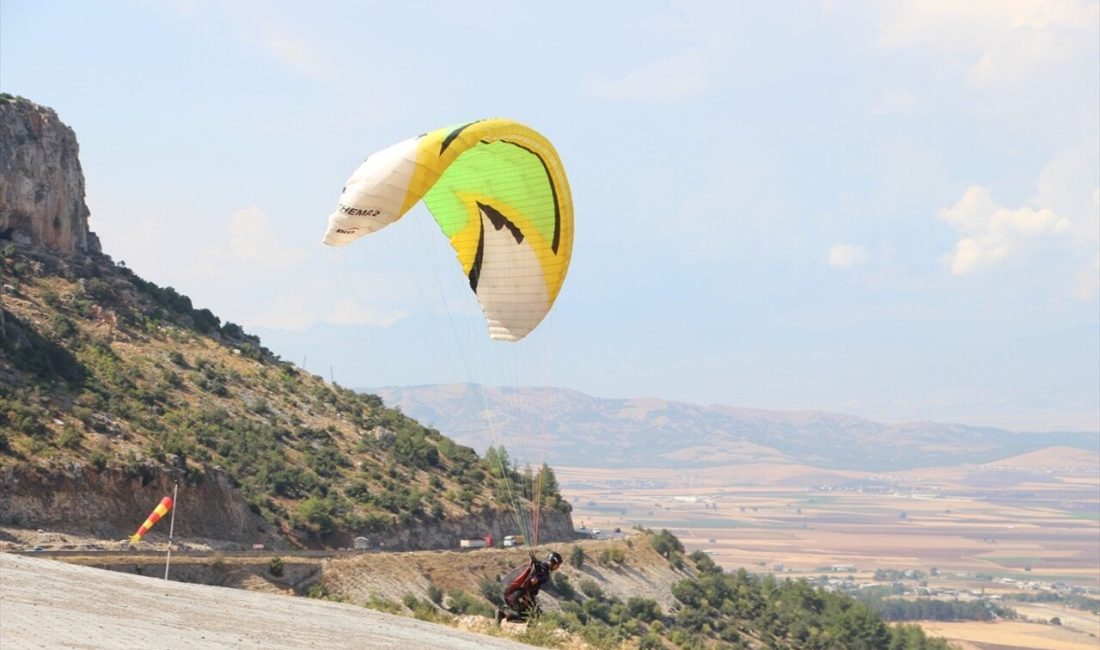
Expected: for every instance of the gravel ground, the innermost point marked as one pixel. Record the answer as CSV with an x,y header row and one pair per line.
x,y
49,604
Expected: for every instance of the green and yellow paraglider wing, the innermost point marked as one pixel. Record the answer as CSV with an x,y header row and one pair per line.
x,y
499,193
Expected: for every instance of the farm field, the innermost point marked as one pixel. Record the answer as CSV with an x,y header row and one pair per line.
x,y
1029,531
1012,635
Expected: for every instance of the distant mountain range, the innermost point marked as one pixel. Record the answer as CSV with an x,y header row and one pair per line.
x,y
568,428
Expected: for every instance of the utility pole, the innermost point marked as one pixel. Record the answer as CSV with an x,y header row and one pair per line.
x,y
3,328
171,528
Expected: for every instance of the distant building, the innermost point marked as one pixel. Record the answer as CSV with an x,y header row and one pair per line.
x,y
841,568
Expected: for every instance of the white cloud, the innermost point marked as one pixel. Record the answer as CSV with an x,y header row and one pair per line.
x,y
1088,280
993,232
894,101
1067,185
292,51
350,312
250,277
149,246
258,26
999,41
252,243
187,7
672,79
291,313
1061,223
846,256
736,206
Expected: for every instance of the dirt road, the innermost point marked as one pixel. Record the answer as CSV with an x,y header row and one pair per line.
x,y
48,604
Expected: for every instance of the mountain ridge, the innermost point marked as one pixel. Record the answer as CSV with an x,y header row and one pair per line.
x,y
584,427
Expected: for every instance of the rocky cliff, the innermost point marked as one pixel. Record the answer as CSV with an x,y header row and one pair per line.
x,y
41,182
110,504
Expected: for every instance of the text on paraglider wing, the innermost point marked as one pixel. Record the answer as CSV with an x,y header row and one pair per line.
x,y
360,212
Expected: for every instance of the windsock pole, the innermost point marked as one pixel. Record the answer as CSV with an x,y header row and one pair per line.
x,y
171,529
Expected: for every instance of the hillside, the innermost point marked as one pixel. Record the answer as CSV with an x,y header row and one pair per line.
x,y
113,389
650,432
1064,459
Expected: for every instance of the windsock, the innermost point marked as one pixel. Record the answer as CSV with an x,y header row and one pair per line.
x,y
162,509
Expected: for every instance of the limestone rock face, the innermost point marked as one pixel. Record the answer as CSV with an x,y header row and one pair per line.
x,y
41,182
110,503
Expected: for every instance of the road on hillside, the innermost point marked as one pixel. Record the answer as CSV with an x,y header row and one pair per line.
x,y
50,604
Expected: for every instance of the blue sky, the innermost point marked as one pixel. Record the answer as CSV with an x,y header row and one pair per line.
x,y
890,209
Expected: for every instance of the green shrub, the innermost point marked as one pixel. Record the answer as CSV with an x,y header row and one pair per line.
x,y
70,437
542,631
666,544
704,563
435,594
645,609
491,589
62,327
589,588
561,585
98,460
317,515
461,602
381,604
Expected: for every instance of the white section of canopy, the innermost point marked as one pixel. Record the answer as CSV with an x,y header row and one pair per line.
x,y
380,183
511,287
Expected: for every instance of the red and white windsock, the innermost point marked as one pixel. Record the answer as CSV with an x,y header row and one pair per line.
x,y
162,509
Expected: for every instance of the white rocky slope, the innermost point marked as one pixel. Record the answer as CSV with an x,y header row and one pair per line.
x,y
48,604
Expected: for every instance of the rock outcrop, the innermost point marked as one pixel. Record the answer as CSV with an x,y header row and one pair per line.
x,y
41,182
110,504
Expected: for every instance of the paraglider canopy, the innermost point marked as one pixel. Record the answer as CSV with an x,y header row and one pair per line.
x,y
499,193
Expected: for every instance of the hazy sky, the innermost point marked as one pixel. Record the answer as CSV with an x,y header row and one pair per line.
x,y
890,209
